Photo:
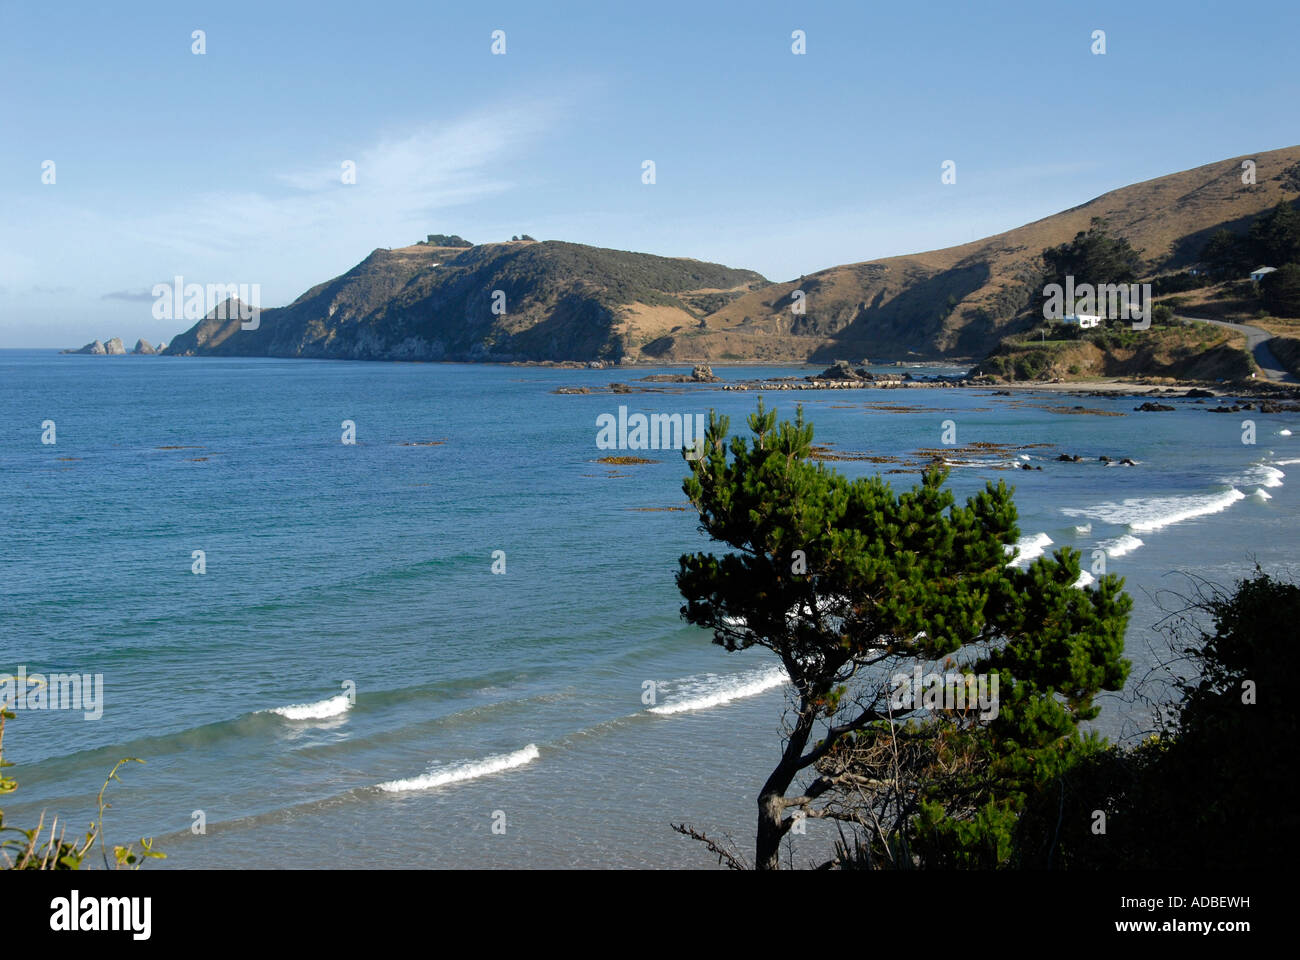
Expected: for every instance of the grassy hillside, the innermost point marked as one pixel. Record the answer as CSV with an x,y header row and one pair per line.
x,y
565,301
961,301
556,301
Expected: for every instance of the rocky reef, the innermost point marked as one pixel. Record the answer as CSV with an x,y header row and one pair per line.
x,y
115,348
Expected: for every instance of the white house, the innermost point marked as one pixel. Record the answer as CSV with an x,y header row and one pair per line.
x,y
1259,273
1083,320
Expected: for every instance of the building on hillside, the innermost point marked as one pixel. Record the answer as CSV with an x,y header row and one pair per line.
x,y
1259,273
1082,320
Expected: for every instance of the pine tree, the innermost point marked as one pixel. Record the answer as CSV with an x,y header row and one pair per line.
x,y
848,583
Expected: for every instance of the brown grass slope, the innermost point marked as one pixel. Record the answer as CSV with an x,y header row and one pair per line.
x,y
960,301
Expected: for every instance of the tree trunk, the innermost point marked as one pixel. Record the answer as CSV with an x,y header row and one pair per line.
x,y
771,809
767,849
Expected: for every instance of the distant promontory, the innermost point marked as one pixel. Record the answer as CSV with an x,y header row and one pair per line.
x,y
521,300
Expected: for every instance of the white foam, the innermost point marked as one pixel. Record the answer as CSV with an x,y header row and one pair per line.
x,y
468,770
319,710
713,690
1287,463
1085,579
1119,546
976,464
1083,528
1145,514
1284,433
1263,474
1031,548
1262,494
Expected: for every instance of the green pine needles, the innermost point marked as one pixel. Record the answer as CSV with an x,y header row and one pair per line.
x,y
853,586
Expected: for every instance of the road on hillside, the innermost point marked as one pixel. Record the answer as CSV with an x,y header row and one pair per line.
x,y
1257,343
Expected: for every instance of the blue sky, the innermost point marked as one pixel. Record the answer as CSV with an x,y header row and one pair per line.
x,y
225,167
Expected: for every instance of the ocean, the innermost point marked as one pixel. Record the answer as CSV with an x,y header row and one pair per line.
x,y
349,683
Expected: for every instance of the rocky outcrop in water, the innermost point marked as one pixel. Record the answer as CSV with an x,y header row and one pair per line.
x,y
95,348
703,373
842,370
115,348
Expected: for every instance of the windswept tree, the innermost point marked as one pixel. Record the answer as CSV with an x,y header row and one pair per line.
x,y
851,584
1095,256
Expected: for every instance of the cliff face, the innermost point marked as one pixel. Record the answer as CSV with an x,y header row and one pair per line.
x,y
498,301
563,301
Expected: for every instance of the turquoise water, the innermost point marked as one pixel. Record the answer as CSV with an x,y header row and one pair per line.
x,y
371,565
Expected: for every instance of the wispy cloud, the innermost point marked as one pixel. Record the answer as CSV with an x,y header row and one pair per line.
x,y
295,228
401,181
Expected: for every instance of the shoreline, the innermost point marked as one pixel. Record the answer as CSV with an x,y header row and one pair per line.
x,y
1115,386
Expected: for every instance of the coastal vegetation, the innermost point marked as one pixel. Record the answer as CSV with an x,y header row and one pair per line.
x,y
1168,349
852,584
1095,256
855,587
45,847
1272,240
1206,788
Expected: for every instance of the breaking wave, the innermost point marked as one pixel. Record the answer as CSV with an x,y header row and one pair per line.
x,y
320,710
1119,546
1260,473
1143,515
712,690
1031,548
469,770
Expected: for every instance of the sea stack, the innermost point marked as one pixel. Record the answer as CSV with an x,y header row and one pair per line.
x,y
142,347
94,347
703,373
